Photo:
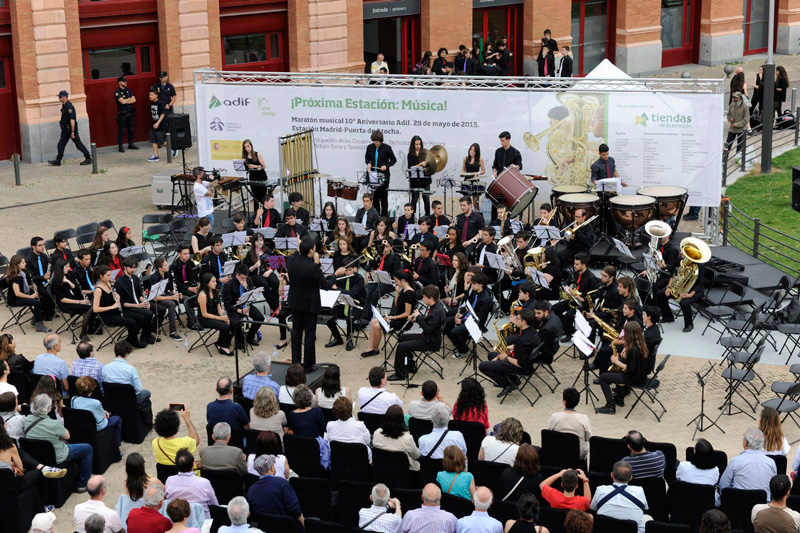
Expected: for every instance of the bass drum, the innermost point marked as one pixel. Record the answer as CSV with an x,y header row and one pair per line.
x,y
512,189
670,201
634,211
568,203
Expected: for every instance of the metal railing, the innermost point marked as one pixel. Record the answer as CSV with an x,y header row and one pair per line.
x,y
759,240
749,147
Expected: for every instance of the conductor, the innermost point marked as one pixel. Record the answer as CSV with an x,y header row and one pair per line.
x,y
380,157
305,281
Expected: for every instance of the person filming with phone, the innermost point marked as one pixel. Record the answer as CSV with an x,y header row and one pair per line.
x,y
167,424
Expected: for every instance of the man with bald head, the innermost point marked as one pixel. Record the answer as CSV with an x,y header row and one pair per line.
x,y
96,488
49,363
430,516
223,409
480,521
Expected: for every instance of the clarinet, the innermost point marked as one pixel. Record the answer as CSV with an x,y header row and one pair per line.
x,y
116,299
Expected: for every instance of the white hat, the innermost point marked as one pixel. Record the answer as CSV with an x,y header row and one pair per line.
x,y
43,522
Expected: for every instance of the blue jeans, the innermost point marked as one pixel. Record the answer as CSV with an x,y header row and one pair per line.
x,y
82,453
116,422
211,218
142,396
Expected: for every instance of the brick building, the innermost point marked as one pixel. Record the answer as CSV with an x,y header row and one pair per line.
x,y
83,45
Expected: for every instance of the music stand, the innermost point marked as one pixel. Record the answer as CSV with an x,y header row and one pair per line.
x,y
477,334
157,290
604,187
446,183
702,416
586,350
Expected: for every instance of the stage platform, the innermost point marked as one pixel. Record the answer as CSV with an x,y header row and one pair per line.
x,y
278,374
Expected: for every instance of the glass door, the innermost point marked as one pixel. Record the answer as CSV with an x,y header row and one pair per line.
x,y
396,38
676,32
756,25
489,25
590,26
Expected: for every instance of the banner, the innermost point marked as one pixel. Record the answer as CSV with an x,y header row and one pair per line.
x,y
655,138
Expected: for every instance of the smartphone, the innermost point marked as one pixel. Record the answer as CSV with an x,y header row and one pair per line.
x,y
176,407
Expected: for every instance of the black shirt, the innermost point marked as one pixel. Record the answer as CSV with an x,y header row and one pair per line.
x,y
215,263
164,92
599,169
156,110
123,93
474,224
524,345
37,265
372,217
551,293
68,114
583,239
427,270
431,324
184,275
84,276
566,67
402,222
505,226
127,287
285,230
530,484
302,215
65,255
505,158
271,214
385,158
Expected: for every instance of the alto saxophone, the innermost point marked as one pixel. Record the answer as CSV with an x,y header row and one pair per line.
x,y
611,335
501,337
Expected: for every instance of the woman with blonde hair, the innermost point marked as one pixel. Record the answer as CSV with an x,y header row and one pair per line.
x,y
503,446
775,442
266,414
455,479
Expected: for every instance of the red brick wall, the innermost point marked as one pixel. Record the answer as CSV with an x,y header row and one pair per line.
x,y
639,22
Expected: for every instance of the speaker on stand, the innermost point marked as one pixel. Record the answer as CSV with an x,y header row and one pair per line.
x,y
180,130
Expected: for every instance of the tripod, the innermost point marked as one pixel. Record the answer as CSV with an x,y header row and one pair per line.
x,y
590,394
702,417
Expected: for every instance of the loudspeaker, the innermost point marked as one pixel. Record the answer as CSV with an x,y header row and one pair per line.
x,y
796,189
181,131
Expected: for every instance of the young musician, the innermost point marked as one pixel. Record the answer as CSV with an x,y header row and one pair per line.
x,y
344,255
582,240
254,162
84,273
609,296
134,304
257,262
484,246
367,215
424,234
652,334
692,295
214,261
430,339
545,216
405,300
110,258
290,228
201,236
425,270
473,162
101,237
527,295
212,314
266,216
520,357
380,234
630,313
452,244
671,260
469,222
503,221
296,202
506,156
185,274
350,282
454,288
416,159
306,279
549,327
635,362
481,301
107,305
169,298
328,218
605,167
438,218
23,293
341,229
124,238
380,157
39,274
514,276
585,282
239,226
231,293
62,251
402,222
387,262
68,295
552,273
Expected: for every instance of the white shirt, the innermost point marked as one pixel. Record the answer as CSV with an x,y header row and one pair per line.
x,y
350,430
8,387
285,394
498,451
280,465
325,402
86,509
387,523
689,473
620,507
785,447
380,404
205,205
427,442
376,66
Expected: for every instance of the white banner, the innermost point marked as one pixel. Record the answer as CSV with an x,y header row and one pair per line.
x,y
656,138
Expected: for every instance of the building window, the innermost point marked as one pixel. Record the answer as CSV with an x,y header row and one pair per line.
x,y
246,48
755,25
672,23
112,62
589,23
144,51
274,46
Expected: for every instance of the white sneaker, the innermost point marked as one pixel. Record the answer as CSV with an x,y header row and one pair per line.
x,y
51,472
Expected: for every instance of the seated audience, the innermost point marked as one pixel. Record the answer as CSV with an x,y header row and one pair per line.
x,y
479,520
568,499
12,419
148,519
630,506
178,511
272,494
775,515
528,510
306,420
87,364
220,455
295,375
429,517
5,386
714,521
375,398
103,419
253,382
422,409
95,523
455,479
95,505
136,482
49,363
224,409
393,436
238,513
503,446
268,443
433,444
47,385
167,444
570,421
524,475
644,464
346,428
376,517
470,406
701,469
266,414
775,443
751,469
331,388
8,352
121,371
185,484
578,522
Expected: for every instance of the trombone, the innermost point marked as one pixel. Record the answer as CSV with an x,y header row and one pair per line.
x,y
569,231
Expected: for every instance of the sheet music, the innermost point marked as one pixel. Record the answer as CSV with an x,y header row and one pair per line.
x,y
131,250
609,185
411,230
441,231
622,247
495,261
249,296
328,298
316,225
582,325
346,299
538,278
516,226
498,232
228,268
236,238
583,344
157,289
327,265
114,274
416,172
474,329
649,262
286,243
359,229
383,276
268,233
547,232
377,314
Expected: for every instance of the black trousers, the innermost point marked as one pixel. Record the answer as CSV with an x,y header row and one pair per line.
x,y
732,137
459,336
610,378
48,304
686,307
567,315
225,335
79,309
113,318
421,183
144,318
497,370
270,284
62,143
375,291
236,318
304,323
35,305
124,122
338,312
169,308
407,345
381,195
283,315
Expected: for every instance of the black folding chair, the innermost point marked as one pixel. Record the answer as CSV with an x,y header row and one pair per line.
x,y
650,389
391,468
786,402
562,450
314,495
419,427
474,433
228,484
518,382
20,315
303,455
725,306
71,322
349,462
373,421
487,474
83,429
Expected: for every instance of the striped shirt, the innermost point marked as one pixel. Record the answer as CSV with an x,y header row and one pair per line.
x,y
647,464
386,522
428,519
253,382
89,367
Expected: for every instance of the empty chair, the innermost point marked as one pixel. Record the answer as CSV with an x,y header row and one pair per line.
x,y
353,496
605,524
688,501
83,428
737,504
487,474
655,526
474,433
314,496
349,462
391,468
315,525
303,455
137,421
604,452
561,449
227,484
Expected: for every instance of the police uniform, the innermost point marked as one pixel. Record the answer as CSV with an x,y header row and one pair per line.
x,y
67,116
124,116
165,93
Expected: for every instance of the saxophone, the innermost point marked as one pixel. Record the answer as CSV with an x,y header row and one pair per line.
x,y
501,337
611,335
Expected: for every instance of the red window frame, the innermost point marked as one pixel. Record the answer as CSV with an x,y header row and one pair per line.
x,y
513,25
611,29
87,74
774,35
267,62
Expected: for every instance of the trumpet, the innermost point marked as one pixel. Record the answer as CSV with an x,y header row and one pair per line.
x,y
569,233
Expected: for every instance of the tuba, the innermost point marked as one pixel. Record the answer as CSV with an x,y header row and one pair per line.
x,y
657,230
534,258
694,252
510,256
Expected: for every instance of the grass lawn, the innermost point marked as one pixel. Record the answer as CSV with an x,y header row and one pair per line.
x,y
769,198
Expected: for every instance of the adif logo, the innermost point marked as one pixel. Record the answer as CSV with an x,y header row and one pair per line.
x,y
641,119
217,124
214,102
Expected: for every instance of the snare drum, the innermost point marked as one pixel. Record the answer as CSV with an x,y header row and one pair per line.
x,y
670,200
568,203
348,191
633,211
472,188
512,189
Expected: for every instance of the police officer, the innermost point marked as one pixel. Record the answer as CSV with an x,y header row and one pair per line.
x,y
166,92
69,130
125,100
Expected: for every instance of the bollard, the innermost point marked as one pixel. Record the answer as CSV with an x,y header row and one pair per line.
x,y
796,125
17,180
169,148
794,98
94,158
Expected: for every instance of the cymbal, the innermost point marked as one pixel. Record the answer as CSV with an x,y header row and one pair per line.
x,y
430,161
440,152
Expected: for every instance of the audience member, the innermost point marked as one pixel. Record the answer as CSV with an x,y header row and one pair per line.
x,y
470,405
528,510
422,409
503,446
609,501
568,499
12,419
5,386
331,388
455,479
49,363
714,521
346,428
776,516
306,420
43,522
253,382
266,414
39,425
570,421
433,444
376,517
272,494
295,375
96,487
48,386
701,469
220,455
148,519
8,352
644,464
480,521
578,522
524,476
238,512
94,523
136,482
167,444
751,469
429,517
87,364
121,371
268,443
179,510
103,419
393,436
224,409
375,398
775,443
185,484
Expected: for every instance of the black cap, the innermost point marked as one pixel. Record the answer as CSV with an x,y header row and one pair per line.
x,y
122,78
162,73
63,93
